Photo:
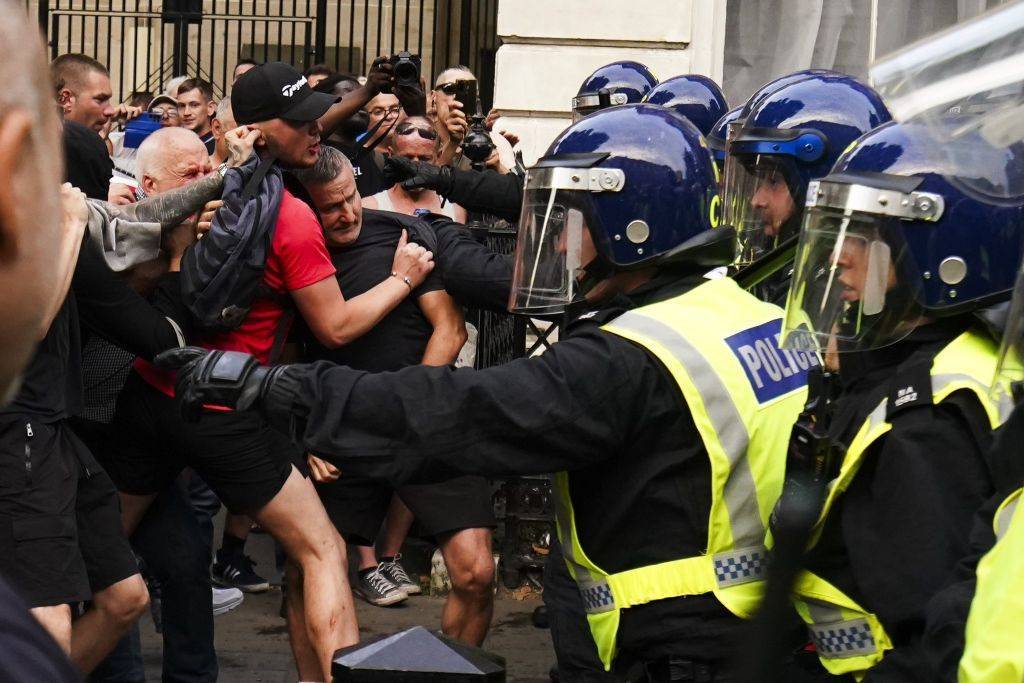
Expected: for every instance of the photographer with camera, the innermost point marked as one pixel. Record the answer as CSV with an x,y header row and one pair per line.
x,y
456,107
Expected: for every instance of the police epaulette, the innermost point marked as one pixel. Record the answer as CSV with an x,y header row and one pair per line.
x,y
910,386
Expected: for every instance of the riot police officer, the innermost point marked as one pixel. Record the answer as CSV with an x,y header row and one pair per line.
x,y
896,253
696,98
788,138
623,82
666,405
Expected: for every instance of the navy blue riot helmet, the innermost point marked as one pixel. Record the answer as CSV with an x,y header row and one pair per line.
x,y
625,188
623,82
780,83
791,136
694,97
896,234
719,134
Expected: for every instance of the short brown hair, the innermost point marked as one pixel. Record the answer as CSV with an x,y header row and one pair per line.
x,y
197,84
67,71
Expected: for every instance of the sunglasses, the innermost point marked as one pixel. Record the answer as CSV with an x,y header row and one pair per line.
x,y
448,88
425,133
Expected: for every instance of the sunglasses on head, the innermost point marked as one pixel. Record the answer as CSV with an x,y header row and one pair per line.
x,y
409,129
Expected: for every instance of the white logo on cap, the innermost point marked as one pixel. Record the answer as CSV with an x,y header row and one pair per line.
x,y
290,90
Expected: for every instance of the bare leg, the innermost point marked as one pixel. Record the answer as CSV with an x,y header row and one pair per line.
x,y
468,609
114,609
133,508
367,557
396,528
296,518
305,656
56,619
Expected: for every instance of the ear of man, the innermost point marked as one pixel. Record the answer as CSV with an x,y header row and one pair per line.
x,y
15,150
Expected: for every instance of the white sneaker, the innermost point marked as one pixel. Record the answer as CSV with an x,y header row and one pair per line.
x,y
226,599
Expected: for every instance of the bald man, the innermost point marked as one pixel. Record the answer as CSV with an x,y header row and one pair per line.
x,y
169,158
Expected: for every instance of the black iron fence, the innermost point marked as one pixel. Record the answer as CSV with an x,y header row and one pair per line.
x,y
146,42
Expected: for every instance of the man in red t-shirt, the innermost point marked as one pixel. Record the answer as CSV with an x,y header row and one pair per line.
x,y
248,465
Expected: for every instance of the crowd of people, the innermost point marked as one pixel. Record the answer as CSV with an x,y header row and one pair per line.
x,y
777,445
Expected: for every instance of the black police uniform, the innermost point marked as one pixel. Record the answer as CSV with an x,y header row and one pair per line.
x,y
500,194
629,435
893,540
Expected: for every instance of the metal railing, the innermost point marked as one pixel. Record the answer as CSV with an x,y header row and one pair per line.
x,y
146,42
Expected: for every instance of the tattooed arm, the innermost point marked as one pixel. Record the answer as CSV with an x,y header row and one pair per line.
x,y
131,234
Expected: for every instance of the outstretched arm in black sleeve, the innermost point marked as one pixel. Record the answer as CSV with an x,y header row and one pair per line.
x,y
565,409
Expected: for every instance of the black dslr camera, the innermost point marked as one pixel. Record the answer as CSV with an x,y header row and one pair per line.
x,y
406,67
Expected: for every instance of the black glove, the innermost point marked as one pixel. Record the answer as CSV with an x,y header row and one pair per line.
x,y
416,175
222,378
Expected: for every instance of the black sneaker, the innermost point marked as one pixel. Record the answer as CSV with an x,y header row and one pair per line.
x,y
397,575
377,589
238,572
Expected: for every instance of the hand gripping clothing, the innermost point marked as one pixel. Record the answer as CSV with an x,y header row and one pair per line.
x,y
849,638
994,628
720,345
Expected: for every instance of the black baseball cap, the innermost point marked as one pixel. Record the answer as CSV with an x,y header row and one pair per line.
x,y
276,90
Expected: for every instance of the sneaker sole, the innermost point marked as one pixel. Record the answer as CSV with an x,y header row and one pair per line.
x,y
227,607
251,588
411,589
382,602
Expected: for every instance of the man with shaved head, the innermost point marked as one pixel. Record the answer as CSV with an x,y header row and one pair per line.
x,y
169,158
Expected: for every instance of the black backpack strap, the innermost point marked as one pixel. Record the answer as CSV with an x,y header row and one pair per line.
x,y
253,186
284,325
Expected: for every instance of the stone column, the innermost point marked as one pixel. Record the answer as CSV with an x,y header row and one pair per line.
x,y
550,46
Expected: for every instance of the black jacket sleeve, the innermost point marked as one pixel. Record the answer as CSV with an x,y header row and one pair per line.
x,y
488,191
947,612
908,519
572,406
473,274
113,310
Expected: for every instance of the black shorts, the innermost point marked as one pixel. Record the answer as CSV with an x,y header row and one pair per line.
x,y
60,519
238,455
357,507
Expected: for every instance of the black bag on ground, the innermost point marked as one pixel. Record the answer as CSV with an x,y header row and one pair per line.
x,y
222,274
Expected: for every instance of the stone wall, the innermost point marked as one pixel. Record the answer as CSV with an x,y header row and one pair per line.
x,y
550,46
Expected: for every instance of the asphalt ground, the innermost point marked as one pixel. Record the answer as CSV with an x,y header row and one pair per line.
x,y
252,640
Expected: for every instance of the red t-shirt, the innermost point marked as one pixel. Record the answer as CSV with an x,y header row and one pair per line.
x,y
298,258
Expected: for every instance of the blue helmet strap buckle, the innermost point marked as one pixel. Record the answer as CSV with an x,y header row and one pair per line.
x,y
803,144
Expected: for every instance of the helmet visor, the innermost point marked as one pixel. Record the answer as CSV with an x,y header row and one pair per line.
x,y
759,203
850,286
1010,368
549,250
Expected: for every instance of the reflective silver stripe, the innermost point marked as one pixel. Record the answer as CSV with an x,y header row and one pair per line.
x,y
740,494
1004,404
842,639
738,567
1004,518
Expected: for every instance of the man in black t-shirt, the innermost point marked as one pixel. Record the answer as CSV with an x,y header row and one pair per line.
x,y
426,328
